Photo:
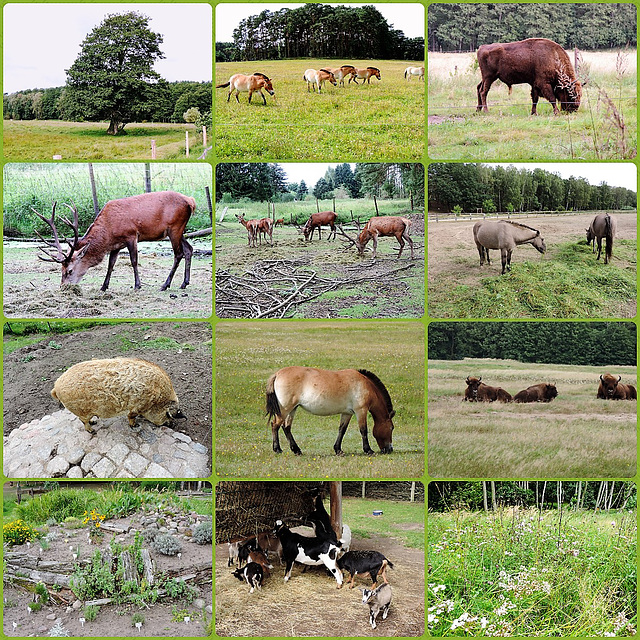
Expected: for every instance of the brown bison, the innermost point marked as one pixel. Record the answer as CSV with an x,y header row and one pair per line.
x,y
612,389
478,391
542,63
537,393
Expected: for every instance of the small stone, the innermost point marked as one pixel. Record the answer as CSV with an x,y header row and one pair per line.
x,y
209,609
156,471
157,458
75,472
199,603
42,630
51,616
89,460
196,446
181,436
103,469
118,453
57,467
136,464
77,605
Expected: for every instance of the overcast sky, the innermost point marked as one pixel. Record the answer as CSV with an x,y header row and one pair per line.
x,y
406,16
310,172
42,40
616,174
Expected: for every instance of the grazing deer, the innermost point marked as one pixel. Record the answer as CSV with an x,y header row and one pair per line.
x,y
381,226
123,223
316,220
252,227
279,221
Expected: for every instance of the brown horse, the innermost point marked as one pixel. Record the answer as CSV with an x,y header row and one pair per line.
x,y
327,393
381,226
504,235
365,74
602,226
346,70
318,78
253,83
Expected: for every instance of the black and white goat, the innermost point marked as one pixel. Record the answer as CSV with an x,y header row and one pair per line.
x,y
378,599
308,551
252,573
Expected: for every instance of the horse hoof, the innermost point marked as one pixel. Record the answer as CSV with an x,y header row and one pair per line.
x,y
298,452
278,450
340,453
370,452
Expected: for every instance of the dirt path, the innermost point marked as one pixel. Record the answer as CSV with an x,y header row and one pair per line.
x,y
183,350
310,605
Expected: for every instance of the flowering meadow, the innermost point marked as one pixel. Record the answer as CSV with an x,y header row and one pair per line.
x,y
519,572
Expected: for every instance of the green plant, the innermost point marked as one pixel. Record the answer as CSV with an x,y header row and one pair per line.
x,y
178,615
35,606
18,532
71,522
93,580
58,631
203,533
179,589
41,592
137,618
94,520
54,345
167,545
90,612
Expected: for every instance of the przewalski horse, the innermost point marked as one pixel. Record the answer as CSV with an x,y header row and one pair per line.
x,y
543,392
346,70
347,392
366,74
478,391
385,226
612,389
318,78
123,223
252,227
316,220
542,63
504,235
602,226
414,71
241,83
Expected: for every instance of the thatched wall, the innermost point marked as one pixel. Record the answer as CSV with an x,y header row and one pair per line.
x,y
382,490
247,508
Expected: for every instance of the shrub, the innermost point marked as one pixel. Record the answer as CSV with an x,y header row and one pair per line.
x,y
93,580
18,532
150,535
35,606
71,522
42,593
167,545
179,589
90,612
203,533
137,617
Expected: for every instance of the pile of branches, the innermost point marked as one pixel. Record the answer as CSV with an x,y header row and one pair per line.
x,y
274,288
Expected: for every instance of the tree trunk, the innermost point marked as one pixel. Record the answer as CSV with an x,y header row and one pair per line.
x,y
116,128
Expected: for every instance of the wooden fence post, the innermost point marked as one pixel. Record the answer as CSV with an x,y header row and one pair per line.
x,y
186,142
153,149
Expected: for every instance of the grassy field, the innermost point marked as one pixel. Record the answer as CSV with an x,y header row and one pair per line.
x,y
565,282
525,573
605,126
375,121
28,140
246,355
574,436
366,288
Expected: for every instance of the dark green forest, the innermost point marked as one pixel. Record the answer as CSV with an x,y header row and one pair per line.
x,y
464,27
261,181
319,31
169,102
577,343
478,186
594,495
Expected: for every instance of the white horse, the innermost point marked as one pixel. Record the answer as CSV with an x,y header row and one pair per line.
x,y
414,71
318,78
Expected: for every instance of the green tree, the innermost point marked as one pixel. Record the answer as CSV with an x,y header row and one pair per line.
x,y
322,190
113,78
302,190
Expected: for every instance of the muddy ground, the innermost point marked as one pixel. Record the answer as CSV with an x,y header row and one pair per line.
x,y
311,605
453,253
183,349
112,619
365,288
32,287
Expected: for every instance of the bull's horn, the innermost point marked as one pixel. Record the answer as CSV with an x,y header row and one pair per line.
x,y
467,380
480,378
601,380
619,378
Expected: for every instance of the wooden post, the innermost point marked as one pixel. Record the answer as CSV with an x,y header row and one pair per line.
x,y
209,203
411,198
317,205
413,491
204,136
375,202
186,142
153,149
147,177
364,489
335,506
334,205
94,195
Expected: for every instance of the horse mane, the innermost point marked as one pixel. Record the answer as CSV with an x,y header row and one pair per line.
x,y
347,66
378,383
257,73
519,224
327,70
374,68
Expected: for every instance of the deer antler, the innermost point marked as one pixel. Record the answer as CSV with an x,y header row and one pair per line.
x,y
55,243
349,238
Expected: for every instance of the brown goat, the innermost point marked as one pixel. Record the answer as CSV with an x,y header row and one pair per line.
x,y
385,226
316,220
261,558
123,223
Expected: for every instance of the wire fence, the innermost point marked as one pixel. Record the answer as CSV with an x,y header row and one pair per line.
x,y
437,216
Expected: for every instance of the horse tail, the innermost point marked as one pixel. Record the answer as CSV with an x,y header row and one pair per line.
x,y
405,74
609,236
221,86
273,406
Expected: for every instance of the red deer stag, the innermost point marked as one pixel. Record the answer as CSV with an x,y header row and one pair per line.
x,y
252,227
123,223
316,221
381,226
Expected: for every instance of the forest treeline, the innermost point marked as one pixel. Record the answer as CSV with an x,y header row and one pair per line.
x,y
466,26
492,495
470,187
319,31
169,102
261,181
576,343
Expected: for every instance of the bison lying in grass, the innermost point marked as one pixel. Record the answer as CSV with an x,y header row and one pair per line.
x,y
478,391
612,389
537,393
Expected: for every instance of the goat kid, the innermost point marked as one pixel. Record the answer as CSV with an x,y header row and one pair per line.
x,y
253,574
378,599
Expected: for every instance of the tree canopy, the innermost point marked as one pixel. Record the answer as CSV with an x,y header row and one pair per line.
x,y
472,186
464,27
319,31
113,77
258,181
577,343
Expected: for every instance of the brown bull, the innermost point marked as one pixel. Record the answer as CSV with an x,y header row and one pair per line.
x,y
611,388
542,63
537,393
478,391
